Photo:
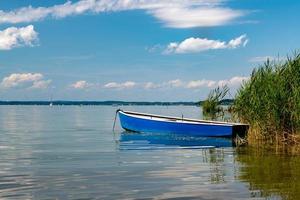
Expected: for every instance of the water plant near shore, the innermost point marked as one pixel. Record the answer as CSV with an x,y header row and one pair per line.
x,y
212,108
270,102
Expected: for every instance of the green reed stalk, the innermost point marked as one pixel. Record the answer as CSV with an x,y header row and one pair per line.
x,y
212,105
270,101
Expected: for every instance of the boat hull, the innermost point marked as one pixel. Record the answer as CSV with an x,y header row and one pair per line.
x,y
137,124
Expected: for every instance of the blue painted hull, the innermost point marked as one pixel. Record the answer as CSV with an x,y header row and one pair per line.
x,y
139,124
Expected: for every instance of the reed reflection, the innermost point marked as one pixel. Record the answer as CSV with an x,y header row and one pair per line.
x,y
195,163
270,174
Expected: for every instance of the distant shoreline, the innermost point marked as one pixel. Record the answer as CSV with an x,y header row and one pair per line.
x,y
108,103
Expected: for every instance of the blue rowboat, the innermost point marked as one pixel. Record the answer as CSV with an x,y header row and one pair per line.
x,y
148,123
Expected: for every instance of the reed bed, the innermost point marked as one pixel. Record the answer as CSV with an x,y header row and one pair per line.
x,y
270,102
212,108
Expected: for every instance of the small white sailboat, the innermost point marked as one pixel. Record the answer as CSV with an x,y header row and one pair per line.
x,y
51,103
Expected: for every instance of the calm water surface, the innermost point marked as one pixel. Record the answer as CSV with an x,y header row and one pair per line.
x,y
70,152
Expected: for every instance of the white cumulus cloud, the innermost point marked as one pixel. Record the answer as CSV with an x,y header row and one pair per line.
x,y
200,83
173,13
15,37
174,83
234,81
115,85
197,84
194,45
25,80
81,85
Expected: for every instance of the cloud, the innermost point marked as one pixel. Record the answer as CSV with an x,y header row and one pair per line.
x,y
193,13
200,83
194,45
81,85
174,83
197,84
42,84
265,58
150,85
16,37
237,42
203,16
125,85
25,80
234,81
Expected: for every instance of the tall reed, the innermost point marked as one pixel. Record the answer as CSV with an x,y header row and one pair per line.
x,y
270,102
212,108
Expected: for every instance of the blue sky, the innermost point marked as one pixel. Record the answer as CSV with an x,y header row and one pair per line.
x,y
138,50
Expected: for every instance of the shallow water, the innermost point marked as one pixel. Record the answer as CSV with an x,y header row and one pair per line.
x,y
70,152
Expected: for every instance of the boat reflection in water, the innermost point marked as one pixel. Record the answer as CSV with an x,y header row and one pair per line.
x,y
148,141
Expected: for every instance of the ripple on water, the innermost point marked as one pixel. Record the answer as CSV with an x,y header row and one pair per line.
x,y
70,152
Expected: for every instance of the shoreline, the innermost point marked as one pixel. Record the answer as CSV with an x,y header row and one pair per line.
x,y
108,103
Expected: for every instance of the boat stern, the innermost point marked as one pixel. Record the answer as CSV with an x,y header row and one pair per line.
x,y
240,130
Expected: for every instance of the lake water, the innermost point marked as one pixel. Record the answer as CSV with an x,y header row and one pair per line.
x,y
71,152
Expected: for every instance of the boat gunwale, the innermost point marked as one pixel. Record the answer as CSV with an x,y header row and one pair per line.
x,y
182,120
